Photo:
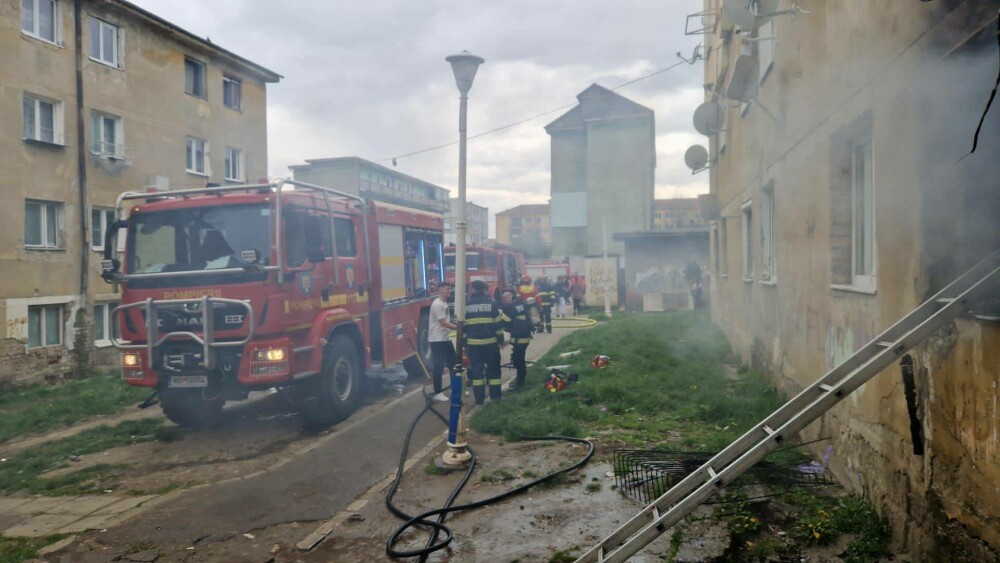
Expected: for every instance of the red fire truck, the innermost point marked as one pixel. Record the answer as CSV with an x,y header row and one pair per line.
x,y
231,289
499,265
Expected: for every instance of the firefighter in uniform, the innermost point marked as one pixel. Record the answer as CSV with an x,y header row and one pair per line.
x,y
528,294
546,296
519,327
483,335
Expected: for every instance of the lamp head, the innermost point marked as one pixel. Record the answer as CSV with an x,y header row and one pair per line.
x,y
465,65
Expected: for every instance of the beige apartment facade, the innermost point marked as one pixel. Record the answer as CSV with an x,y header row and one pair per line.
x,y
677,213
530,221
155,106
845,211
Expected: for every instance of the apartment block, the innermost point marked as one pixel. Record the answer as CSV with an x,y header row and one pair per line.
x,y
524,224
847,196
477,219
155,106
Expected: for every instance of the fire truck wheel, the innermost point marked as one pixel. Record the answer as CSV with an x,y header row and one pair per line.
x,y
412,364
189,408
340,385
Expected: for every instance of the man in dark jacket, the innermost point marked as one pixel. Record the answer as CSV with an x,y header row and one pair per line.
x,y
519,327
483,335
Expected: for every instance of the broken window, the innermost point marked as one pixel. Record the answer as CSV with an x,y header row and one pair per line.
x,y
768,265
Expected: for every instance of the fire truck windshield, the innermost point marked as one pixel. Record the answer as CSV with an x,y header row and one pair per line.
x,y
473,261
198,238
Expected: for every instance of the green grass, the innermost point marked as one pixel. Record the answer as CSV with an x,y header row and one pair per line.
x,y
666,378
22,472
16,550
40,408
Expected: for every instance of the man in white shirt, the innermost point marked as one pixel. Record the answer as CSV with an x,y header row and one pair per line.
x,y
442,348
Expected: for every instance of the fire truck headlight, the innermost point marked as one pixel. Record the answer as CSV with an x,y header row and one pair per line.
x,y
270,355
131,360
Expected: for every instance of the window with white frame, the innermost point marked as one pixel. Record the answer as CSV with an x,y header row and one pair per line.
x,y
100,219
103,322
768,263
723,247
748,236
40,19
42,224
232,92
234,164
194,78
107,134
104,40
44,325
197,156
42,119
862,215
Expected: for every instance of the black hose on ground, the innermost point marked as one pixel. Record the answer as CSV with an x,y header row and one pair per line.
x,y
437,526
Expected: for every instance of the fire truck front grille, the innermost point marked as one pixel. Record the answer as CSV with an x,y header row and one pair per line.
x,y
175,318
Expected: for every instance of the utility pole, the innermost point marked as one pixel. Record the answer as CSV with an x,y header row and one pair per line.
x,y
464,65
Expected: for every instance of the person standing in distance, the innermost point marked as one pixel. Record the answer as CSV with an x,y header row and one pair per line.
x,y
483,334
442,349
519,327
546,296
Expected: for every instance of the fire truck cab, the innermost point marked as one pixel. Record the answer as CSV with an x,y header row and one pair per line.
x,y
287,285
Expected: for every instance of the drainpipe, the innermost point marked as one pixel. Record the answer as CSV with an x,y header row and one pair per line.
x,y
82,343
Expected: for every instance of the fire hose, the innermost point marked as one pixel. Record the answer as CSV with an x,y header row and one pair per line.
x,y
437,526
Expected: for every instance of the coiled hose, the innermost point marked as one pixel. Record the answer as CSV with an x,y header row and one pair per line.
x,y
437,525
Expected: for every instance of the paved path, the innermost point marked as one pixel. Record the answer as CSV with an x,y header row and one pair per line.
x,y
313,486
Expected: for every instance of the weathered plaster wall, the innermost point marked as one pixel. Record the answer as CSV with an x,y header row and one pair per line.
x,y
148,94
843,63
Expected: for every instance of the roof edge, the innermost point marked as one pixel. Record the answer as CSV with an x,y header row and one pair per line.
x,y
267,74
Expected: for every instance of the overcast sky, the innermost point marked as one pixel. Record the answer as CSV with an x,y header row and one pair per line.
x,y
368,78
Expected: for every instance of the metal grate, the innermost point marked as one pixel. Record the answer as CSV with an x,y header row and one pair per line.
x,y
646,474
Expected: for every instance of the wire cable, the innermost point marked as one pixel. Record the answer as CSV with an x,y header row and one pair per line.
x,y
526,120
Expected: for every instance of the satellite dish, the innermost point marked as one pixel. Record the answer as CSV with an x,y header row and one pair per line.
x,y
740,12
743,83
696,157
708,118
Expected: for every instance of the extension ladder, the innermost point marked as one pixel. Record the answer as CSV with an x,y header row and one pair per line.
x,y
795,415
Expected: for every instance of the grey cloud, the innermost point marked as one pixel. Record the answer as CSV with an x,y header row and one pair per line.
x,y
369,79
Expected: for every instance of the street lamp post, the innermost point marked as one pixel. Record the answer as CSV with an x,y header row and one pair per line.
x,y
464,65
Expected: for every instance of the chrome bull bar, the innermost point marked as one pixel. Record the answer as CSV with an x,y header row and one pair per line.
x,y
206,338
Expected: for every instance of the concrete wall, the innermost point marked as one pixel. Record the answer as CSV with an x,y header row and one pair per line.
x,y
344,176
620,170
605,148
147,92
843,63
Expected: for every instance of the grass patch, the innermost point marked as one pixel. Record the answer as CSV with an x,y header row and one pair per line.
x,y
498,476
433,469
666,380
40,408
23,470
16,550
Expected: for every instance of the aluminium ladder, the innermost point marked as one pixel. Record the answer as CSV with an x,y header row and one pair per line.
x,y
796,414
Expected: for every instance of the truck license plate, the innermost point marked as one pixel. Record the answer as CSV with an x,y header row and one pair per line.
x,y
189,381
